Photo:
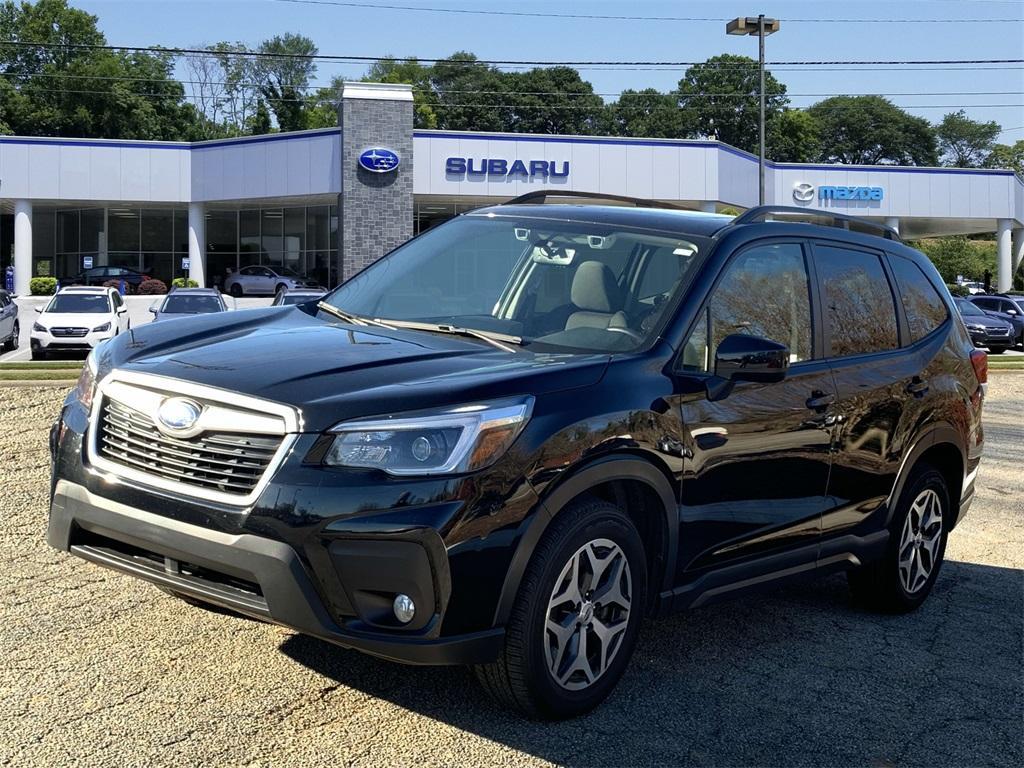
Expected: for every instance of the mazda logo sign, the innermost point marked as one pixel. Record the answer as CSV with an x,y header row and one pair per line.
x,y
803,192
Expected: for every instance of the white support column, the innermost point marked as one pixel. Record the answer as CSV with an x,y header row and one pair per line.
x,y
197,243
1016,248
893,223
22,246
708,207
1004,280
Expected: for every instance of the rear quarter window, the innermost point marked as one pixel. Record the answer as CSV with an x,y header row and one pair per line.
x,y
859,308
922,304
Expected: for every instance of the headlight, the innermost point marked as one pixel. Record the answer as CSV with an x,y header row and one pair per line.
x,y
39,328
101,328
86,387
975,327
455,440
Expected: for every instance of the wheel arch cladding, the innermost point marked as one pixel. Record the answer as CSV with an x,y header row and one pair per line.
x,y
940,448
639,487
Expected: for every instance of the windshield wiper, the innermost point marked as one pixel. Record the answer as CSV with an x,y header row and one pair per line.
x,y
348,317
499,340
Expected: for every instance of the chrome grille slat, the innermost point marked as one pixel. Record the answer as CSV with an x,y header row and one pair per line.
x,y
230,463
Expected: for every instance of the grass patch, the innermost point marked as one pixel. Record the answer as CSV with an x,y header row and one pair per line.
x,y
38,376
62,365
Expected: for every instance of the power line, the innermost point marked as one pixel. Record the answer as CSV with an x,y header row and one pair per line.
x,y
609,17
246,53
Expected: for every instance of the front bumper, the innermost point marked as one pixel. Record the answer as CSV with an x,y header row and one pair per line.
x,y
40,340
250,574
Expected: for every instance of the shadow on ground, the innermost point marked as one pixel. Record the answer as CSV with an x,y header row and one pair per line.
x,y
794,677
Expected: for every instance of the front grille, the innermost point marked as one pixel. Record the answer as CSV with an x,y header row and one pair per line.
x,y
69,332
998,331
225,462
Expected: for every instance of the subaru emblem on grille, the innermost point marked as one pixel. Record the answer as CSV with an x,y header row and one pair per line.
x,y
178,414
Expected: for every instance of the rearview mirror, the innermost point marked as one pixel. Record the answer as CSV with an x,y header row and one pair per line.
x,y
750,358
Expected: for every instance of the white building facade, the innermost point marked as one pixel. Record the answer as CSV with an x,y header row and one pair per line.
x,y
203,209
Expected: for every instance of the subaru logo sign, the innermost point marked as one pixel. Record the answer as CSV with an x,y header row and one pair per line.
x,y
177,414
803,192
379,160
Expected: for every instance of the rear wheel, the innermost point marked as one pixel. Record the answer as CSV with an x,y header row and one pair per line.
x,y
574,624
235,290
12,343
902,579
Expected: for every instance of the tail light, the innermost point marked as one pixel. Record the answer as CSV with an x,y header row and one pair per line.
x,y
979,361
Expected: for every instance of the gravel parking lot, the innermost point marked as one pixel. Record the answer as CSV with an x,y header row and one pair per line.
x,y
100,669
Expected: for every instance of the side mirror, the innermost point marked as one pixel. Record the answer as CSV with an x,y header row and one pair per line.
x,y
122,310
750,358
153,310
39,310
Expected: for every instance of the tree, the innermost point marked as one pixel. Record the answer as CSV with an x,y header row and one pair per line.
x,y
965,143
75,89
391,70
872,130
1007,156
719,99
794,136
956,256
241,89
259,122
470,96
647,113
284,70
554,100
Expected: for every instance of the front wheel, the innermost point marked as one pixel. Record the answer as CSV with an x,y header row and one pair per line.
x,y
904,576
996,350
575,620
39,354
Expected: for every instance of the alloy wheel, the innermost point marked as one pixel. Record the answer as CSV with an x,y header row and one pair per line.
x,y
587,614
919,542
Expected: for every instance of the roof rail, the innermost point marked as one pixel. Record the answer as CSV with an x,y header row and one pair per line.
x,y
812,216
541,195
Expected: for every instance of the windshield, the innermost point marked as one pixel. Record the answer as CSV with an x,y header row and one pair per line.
x,y
571,285
79,304
297,298
191,305
285,272
967,308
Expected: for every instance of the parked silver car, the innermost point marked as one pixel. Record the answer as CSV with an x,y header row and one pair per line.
x,y
265,280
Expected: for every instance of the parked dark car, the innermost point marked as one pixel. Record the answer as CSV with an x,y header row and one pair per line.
x,y
101,275
185,302
298,296
511,439
986,330
10,328
1008,308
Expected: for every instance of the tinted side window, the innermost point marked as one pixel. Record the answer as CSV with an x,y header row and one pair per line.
x,y
922,304
764,292
858,303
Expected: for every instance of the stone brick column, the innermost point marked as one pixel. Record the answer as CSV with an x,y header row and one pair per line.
x,y
376,209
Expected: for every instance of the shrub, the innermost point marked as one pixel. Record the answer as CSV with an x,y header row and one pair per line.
x,y
152,287
184,282
116,285
955,289
42,286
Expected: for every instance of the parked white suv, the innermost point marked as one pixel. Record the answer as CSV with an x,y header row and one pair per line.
x,y
78,318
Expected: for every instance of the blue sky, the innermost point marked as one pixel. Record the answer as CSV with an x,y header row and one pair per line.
x,y
373,32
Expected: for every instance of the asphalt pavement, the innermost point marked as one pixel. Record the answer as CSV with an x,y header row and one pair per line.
x,y
99,669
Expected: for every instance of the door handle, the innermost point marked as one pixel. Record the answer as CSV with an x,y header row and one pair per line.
x,y
917,387
819,401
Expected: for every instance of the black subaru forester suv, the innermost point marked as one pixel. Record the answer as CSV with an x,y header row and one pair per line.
x,y
508,441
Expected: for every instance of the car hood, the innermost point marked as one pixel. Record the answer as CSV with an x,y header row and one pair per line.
x,y
74,319
172,315
1008,319
986,321
334,371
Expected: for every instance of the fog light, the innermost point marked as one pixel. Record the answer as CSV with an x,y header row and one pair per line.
x,y
404,608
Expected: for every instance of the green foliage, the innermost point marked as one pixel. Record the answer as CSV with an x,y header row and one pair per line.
x,y
648,113
410,71
956,256
152,287
42,286
553,100
470,96
259,123
719,99
965,143
284,76
872,130
1007,156
955,289
794,136
184,282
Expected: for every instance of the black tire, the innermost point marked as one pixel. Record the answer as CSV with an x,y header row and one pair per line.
x,y
39,354
236,290
15,337
996,350
281,288
520,679
878,585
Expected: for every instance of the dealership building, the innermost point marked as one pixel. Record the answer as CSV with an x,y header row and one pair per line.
x,y
327,202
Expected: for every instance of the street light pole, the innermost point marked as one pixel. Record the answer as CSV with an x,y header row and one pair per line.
x,y
762,27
